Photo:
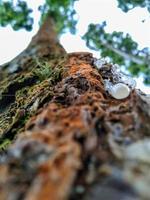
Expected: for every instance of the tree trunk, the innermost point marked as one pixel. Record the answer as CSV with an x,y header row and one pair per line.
x,y
62,136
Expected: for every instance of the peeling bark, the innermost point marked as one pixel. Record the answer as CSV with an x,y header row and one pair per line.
x,y
64,137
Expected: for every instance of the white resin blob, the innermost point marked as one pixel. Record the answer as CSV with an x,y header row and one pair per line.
x,y
119,91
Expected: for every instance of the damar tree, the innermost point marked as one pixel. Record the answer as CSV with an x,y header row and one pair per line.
x,y
72,126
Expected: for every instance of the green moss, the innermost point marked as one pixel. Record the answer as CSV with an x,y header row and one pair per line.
x,y
22,94
43,70
5,144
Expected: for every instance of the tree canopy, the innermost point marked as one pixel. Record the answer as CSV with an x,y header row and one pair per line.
x,y
18,14
130,4
120,47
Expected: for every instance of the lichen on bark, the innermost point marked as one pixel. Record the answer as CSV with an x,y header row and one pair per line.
x,y
24,93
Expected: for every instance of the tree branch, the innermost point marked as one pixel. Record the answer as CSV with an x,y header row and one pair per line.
x,y
125,55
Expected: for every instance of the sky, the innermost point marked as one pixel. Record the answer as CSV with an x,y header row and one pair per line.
x,y
88,11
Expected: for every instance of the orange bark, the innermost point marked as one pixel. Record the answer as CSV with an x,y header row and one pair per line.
x,y
67,143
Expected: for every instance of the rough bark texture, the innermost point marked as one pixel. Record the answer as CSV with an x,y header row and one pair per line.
x,y
64,137
44,44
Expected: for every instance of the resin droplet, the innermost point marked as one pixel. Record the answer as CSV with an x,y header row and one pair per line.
x,y
119,91
99,63
128,81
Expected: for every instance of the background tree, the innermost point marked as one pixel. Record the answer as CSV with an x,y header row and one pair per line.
x,y
130,4
18,15
120,47
62,135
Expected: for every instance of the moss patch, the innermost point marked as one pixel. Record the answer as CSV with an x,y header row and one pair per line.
x,y
23,93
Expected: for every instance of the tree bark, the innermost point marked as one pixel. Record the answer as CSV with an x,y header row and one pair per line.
x,y
44,43
62,136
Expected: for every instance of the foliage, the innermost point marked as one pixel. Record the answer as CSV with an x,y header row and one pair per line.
x,y
62,12
120,48
17,15
130,4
